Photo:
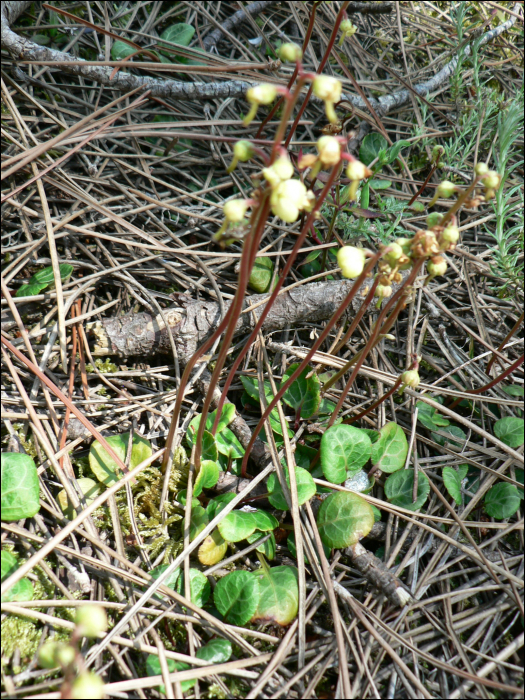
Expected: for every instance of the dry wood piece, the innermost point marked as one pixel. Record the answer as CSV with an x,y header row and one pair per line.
x,y
253,9
373,569
192,321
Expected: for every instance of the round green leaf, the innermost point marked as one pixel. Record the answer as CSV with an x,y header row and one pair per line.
x,y
371,146
181,498
172,579
218,651
227,415
229,445
20,487
268,547
153,669
304,394
209,447
180,33
265,521
237,526
198,521
278,595
343,519
399,488
217,504
344,451
22,589
390,451
200,589
105,468
207,477
305,488
514,390
502,501
89,488
261,274
236,597
452,480
120,51
510,431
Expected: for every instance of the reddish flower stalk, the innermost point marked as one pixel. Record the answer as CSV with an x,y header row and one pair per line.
x,y
189,368
492,383
296,70
399,299
340,16
306,360
236,306
271,299
508,337
376,403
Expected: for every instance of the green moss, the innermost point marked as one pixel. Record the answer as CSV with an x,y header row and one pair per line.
x,y
22,634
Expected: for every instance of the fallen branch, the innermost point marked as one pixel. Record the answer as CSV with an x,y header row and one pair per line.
x,y
253,9
21,49
24,49
193,321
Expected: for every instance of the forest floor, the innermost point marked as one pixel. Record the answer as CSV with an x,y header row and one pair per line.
x,y
291,555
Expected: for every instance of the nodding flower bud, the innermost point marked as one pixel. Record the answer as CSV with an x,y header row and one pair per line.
x,y
357,170
290,52
411,378
481,169
307,161
329,150
280,171
491,180
437,153
65,654
288,199
243,151
348,30
434,219
329,90
235,209
47,654
383,291
393,255
436,266
91,620
446,189
351,261
263,94
450,234
87,685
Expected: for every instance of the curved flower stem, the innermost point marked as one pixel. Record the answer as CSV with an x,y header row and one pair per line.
x,y
187,372
459,201
507,338
376,403
247,260
398,299
349,332
307,38
306,360
492,383
331,42
271,299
